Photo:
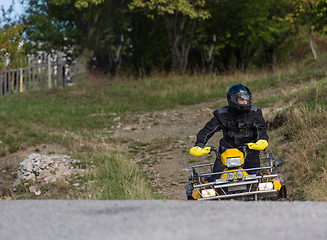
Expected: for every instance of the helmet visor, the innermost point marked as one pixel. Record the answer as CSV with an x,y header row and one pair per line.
x,y
244,95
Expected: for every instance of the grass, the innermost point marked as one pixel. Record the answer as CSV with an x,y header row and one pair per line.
x,y
302,144
28,117
117,177
59,115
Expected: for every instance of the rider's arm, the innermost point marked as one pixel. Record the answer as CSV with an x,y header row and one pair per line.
x,y
261,124
208,131
261,142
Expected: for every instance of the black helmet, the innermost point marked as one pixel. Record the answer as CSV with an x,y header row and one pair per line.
x,y
239,90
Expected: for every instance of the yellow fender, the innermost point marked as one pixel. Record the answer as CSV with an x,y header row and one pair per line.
x,y
277,185
196,194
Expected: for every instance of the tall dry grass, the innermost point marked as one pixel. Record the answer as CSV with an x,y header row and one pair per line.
x,y
200,87
301,143
116,176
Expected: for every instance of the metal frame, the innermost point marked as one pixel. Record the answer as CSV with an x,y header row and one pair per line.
x,y
250,193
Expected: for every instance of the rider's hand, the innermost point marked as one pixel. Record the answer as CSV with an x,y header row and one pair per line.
x,y
259,145
198,151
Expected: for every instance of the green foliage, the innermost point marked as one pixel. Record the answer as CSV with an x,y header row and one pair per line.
x,y
62,114
51,28
94,105
313,12
94,28
301,141
258,27
192,9
307,173
78,3
118,177
144,36
180,26
11,52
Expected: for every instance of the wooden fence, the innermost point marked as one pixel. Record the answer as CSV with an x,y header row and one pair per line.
x,y
42,72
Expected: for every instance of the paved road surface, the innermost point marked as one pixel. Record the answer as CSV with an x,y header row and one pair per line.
x,y
158,220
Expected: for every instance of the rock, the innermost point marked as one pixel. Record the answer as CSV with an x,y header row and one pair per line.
x,y
117,119
28,166
127,128
37,193
52,179
42,169
32,189
30,177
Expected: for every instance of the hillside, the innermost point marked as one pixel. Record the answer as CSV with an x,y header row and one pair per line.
x,y
119,129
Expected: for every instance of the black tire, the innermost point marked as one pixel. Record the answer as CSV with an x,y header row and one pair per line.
x,y
189,191
282,193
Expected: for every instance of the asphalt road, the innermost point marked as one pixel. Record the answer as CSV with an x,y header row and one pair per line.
x,y
158,219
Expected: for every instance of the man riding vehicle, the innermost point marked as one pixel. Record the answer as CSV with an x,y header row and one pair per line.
x,y
242,125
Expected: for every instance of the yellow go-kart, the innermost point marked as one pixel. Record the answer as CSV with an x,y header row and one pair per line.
x,y
261,183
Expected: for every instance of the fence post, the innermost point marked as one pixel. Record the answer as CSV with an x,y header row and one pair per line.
x,y
41,73
49,71
53,74
37,73
44,71
25,79
59,70
33,71
21,81
5,85
63,72
17,82
29,74
2,83
9,81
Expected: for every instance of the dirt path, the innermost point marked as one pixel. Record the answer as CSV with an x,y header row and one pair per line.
x,y
162,139
159,141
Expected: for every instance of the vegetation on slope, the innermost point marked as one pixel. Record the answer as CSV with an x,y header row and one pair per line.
x,y
90,106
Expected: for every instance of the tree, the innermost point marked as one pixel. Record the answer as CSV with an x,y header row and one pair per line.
x,y
313,14
180,18
119,35
95,27
11,41
238,29
278,27
147,49
50,28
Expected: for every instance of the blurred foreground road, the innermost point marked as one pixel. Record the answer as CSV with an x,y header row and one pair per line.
x,y
158,220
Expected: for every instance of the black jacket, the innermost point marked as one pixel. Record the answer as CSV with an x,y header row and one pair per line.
x,y
239,128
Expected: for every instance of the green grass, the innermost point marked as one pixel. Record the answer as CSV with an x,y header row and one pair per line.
x,y
117,177
54,116
28,117
301,143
